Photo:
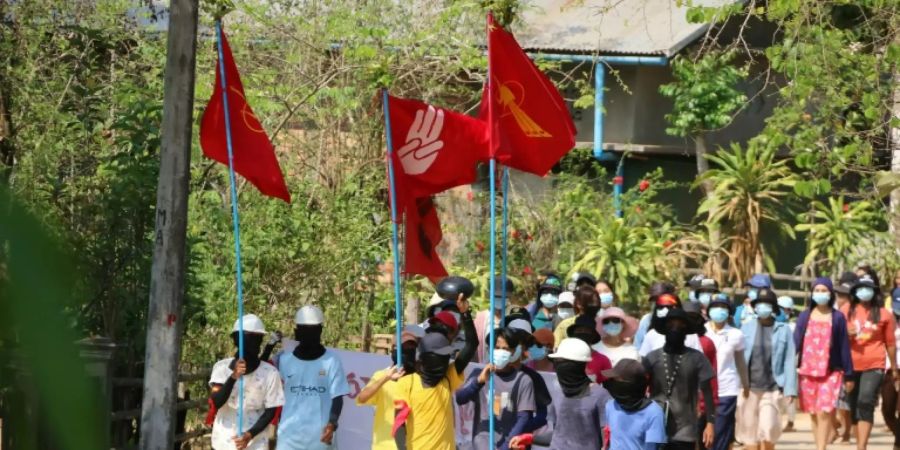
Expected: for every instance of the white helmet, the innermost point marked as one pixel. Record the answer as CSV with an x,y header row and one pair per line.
x,y
309,315
252,324
572,349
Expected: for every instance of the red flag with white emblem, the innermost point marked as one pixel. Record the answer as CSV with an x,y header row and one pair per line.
x,y
529,124
435,149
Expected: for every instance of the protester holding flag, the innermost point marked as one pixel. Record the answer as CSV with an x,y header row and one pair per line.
x,y
381,392
315,386
423,409
262,387
530,350
514,402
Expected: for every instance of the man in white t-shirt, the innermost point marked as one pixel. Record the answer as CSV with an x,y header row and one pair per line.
x,y
731,368
314,387
261,387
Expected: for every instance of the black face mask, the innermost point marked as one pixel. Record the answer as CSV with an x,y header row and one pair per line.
x,y
675,341
571,376
310,342
587,336
433,368
252,345
409,359
591,310
630,395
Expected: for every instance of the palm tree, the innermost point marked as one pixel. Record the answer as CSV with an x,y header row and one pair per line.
x,y
835,231
750,187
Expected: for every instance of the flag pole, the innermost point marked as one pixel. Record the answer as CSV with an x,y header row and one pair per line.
x,y
235,219
504,241
493,230
398,302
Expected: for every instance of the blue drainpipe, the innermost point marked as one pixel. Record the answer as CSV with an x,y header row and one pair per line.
x,y
599,86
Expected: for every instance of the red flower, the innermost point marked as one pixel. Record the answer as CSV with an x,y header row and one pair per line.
x,y
515,234
846,208
643,185
480,246
527,271
618,181
637,209
528,237
667,244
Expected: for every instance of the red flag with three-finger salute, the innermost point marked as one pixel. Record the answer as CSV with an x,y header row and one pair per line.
x,y
423,234
435,149
529,124
253,153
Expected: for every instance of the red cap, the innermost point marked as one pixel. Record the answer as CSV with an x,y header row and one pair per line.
x,y
447,318
666,300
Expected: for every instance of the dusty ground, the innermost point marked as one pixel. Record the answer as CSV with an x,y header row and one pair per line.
x,y
802,439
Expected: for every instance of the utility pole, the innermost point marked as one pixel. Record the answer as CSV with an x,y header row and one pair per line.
x,y
164,321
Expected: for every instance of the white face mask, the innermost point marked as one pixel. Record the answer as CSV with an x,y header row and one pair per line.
x,y
565,313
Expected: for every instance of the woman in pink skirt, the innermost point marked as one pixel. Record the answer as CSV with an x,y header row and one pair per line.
x,y
824,349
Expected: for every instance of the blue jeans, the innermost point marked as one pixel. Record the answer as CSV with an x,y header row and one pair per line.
x,y
724,426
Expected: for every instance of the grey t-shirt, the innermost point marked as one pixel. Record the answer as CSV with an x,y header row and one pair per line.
x,y
505,406
579,420
693,370
761,378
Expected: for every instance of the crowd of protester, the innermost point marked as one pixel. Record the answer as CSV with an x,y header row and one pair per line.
x,y
701,370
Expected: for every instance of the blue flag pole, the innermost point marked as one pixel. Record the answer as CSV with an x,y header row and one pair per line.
x,y
492,168
235,221
398,302
504,241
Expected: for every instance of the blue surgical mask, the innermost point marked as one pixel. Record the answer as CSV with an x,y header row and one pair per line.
x,y
498,304
606,299
763,310
549,300
752,294
662,312
612,329
865,294
536,353
718,315
704,298
501,358
821,298
565,313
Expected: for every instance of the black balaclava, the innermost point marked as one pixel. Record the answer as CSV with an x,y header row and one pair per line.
x,y
675,339
433,368
310,342
571,376
409,358
630,395
252,345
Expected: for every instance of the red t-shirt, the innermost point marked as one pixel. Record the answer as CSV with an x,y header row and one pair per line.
x,y
868,348
598,364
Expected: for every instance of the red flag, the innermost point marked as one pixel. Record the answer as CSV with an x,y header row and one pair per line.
x,y
423,234
435,148
254,156
530,126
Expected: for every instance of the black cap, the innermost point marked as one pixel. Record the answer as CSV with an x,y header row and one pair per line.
x,y
722,300
578,277
845,283
435,343
661,287
694,281
767,296
551,283
450,287
517,312
626,369
498,287
865,281
708,285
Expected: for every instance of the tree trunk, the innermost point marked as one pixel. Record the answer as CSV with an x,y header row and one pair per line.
x,y
164,321
7,149
714,263
894,140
